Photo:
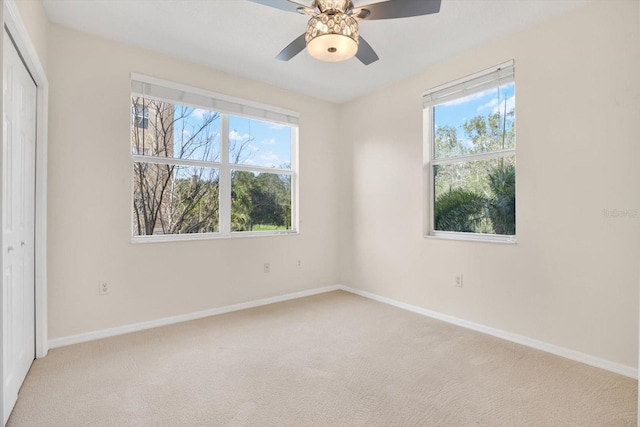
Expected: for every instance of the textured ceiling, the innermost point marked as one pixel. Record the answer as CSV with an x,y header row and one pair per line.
x,y
243,38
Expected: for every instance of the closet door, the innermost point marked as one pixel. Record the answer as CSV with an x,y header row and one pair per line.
x,y
18,222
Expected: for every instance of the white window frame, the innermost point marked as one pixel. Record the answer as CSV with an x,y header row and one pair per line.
x,y
227,106
486,79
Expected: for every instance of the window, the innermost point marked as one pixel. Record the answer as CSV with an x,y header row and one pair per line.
x,y
206,165
140,116
470,157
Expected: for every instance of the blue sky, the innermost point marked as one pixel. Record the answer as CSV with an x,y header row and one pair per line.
x,y
455,113
265,144
270,145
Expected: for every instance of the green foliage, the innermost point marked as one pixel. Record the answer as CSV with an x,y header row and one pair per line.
x,y
476,196
465,210
459,210
195,201
241,200
481,134
502,206
271,196
269,227
447,143
260,202
490,133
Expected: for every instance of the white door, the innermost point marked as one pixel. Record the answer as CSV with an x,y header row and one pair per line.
x,y
18,221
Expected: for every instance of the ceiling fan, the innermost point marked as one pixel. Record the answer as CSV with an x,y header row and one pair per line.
x,y
332,32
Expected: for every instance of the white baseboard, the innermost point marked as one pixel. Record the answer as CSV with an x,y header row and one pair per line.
x,y
119,330
628,371
608,365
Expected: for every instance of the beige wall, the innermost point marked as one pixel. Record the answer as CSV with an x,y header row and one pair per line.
x,y
572,278
90,200
35,20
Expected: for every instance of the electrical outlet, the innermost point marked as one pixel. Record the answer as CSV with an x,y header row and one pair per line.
x,y
299,263
103,288
267,267
458,281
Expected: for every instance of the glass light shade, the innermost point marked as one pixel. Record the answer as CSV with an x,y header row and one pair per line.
x,y
332,36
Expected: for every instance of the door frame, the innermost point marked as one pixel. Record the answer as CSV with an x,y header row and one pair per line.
x,y
13,22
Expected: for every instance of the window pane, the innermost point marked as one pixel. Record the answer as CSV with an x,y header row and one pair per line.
x,y
176,131
476,197
140,116
260,201
173,199
477,123
258,143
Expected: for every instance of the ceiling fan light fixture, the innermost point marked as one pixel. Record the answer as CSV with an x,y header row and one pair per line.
x,y
332,36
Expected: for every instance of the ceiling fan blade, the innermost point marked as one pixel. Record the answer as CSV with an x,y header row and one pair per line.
x,y
365,53
294,48
288,5
391,9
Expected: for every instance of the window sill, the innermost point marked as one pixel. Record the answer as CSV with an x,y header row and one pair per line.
x,y
210,236
469,237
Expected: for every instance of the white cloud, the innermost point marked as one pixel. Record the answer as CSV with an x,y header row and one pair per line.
x,y
269,156
269,141
467,143
511,104
199,113
498,105
236,136
489,105
270,160
468,98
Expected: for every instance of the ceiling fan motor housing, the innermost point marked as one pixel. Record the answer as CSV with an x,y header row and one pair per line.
x,y
343,6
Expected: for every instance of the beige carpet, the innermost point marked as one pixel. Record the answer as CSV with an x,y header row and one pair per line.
x,y
330,360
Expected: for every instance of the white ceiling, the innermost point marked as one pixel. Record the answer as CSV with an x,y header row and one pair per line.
x,y
243,38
